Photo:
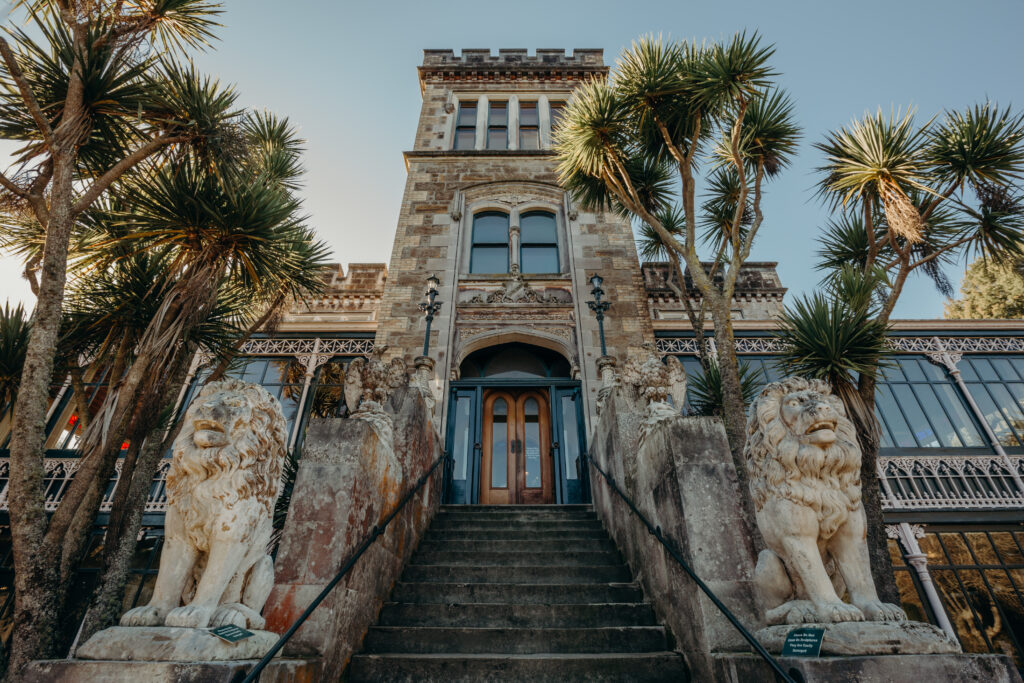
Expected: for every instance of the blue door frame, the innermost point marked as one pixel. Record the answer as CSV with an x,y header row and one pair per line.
x,y
465,429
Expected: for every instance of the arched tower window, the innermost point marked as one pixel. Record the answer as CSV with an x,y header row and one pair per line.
x,y
490,243
538,251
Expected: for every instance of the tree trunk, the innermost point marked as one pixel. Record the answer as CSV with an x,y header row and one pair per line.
x,y
871,495
36,563
734,412
119,545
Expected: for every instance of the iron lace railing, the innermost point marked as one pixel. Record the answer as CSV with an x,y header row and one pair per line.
x,y
674,553
375,533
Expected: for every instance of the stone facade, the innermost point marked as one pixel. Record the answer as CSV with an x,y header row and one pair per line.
x,y
445,187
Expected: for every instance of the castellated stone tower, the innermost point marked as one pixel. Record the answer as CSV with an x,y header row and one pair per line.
x,y
484,213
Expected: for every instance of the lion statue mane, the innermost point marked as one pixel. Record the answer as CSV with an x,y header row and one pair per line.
x,y
804,462
222,487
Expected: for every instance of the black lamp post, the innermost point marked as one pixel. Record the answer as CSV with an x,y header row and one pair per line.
x,y
430,308
599,307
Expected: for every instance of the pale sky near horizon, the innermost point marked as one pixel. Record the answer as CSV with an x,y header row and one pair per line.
x,y
345,74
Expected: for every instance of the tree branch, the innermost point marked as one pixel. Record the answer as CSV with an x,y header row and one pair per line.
x,y
118,169
26,93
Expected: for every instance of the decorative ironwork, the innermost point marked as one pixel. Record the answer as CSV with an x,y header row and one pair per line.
x,y
60,471
305,346
950,481
925,345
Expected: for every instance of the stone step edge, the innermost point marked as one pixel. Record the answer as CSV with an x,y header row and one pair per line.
x,y
492,605
532,657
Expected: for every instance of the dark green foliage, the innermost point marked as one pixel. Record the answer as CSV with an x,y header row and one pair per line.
x,y
705,392
14,326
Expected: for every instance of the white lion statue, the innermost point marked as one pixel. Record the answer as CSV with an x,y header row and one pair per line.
x,y
223,484
804,464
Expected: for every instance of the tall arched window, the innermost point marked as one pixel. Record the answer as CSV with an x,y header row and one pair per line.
x,y
538,251
490,243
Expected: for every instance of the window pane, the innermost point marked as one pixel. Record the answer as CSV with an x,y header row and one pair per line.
x,y
465,138
497,138
965,426
539,259
947,436
893,373
1009,406
557,109
984,369
498,114
531,443
489,260
528,114
918,423
1019,364
892,416
538,226
912,370
1005,369
467,115
529,139
461,445
992,415
570,441
499,445
934,372
490,228
967,370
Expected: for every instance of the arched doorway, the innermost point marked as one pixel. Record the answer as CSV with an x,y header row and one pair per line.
x,y
515,428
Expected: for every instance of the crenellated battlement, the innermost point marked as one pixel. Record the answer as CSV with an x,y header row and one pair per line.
x,y
509,63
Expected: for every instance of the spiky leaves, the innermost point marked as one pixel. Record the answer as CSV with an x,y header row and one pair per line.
x,y
14,326
707,393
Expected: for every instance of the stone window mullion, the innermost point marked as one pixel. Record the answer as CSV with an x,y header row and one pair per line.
x,y
513,240
482,114
544,121
513,122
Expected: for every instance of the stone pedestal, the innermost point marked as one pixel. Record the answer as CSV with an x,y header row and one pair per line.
x,y
868,638
959,668
85,671
170,644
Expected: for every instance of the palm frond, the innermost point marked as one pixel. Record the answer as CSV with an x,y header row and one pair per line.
x,y
982,145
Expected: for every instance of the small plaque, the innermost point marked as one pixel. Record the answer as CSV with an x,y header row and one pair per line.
x,y
233,634
803,642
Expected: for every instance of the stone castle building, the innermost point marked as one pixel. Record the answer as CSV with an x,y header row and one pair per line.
x,y
514,347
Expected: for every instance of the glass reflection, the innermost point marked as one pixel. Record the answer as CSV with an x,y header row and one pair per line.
x,y
499,444
531,443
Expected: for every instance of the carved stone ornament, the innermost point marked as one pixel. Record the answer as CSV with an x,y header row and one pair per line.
x,y
515,291
223,484
676,382
376,381
645,372
804,466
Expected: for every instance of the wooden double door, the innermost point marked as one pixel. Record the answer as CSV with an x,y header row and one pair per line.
x,y
517,464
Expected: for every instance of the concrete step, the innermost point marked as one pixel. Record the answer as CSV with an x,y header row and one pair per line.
x,y
656,667
487,524
587,507
502,558
512,534
517,545
482,615
520,516
439,639
518,593
521,574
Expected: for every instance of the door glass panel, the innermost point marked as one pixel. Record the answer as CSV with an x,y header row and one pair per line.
x,y
531,443
570,441
499,445
461,440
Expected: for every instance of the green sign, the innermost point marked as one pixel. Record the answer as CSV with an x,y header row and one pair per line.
x,y
231,633
803,642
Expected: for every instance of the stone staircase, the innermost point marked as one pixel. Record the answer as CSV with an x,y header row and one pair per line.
x,y
517,593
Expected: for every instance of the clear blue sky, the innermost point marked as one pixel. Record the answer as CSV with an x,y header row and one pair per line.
x,y
345,72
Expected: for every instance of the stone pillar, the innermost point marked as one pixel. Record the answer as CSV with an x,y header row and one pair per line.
x,y
544,121
482,111
907,535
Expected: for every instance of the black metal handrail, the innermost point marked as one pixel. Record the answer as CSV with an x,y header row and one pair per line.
x,y
674,553
375,533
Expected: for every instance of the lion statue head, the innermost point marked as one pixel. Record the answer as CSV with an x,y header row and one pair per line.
x,y
802,447
233,435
